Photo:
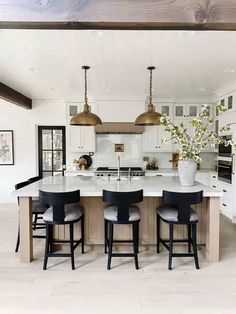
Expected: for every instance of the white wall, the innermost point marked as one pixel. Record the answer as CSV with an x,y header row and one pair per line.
x,y
24,125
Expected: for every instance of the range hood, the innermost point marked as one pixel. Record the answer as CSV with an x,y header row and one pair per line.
x,y
118,128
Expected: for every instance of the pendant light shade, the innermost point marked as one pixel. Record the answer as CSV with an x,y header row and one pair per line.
x,y
150,117
86,117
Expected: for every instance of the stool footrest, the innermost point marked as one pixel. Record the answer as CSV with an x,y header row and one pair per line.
x,y
122,254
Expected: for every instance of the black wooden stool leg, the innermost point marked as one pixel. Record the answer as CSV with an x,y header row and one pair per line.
x,y
158,233
171,231
72,246
189,238
194,237
110,243
50,239
105,236
46,247
135,243
18,240
35,221
82,234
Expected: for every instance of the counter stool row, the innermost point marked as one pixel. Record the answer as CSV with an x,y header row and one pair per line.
x,y
64,209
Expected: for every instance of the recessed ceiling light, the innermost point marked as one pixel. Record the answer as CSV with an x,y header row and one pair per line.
x,y
106,89
100,33
201,89
34,69
229,70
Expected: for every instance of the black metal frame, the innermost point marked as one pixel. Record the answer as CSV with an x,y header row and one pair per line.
x,y
40,148
122,200
183,202
58,201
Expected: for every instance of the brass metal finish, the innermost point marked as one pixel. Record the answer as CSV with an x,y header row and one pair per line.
x,y
86,117
150,117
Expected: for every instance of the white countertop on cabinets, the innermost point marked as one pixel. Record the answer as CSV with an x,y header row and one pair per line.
x,y
175,171
78,171
93,186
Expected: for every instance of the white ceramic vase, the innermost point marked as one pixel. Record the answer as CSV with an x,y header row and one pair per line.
x,y
187,172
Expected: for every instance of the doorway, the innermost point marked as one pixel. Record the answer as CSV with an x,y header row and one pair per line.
x,y
51,150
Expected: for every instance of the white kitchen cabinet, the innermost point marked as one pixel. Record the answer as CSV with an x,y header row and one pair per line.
x,y
185,111
152,139
79,138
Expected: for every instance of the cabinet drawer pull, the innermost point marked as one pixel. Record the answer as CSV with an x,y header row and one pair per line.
x,y
214,186
225,191
214,177
159,175
224,205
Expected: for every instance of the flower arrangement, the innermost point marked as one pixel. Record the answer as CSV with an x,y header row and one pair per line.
x,y
203,133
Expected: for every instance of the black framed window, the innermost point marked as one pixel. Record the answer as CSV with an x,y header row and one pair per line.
x,y
51,150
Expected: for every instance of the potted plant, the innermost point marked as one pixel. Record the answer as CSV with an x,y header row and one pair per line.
x,y
192,146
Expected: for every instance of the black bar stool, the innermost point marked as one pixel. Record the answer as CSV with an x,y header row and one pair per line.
x,y
37,208
121,212
64,210
177,211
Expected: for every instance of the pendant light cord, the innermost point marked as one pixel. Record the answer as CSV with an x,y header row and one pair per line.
x,y
85,86
150,98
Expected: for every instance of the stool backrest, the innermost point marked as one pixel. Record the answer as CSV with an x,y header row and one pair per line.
x,y
58,200
34,179
183,202
19,186
122,200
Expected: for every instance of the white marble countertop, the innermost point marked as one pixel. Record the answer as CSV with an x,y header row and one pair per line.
x,y
172,170
93,186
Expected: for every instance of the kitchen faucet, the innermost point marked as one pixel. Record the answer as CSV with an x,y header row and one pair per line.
x,y
118,179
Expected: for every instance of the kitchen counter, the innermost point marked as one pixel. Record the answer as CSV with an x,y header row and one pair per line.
x,y
93,186
91,198
175,171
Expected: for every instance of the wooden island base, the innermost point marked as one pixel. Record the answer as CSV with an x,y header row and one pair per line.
x,y
207,229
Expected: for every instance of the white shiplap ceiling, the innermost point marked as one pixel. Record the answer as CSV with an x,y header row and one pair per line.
x,y
47,64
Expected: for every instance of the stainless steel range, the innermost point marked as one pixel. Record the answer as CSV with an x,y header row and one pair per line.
x,y
124,171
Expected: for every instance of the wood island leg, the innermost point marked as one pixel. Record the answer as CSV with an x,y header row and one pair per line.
x,y
26,239
213,229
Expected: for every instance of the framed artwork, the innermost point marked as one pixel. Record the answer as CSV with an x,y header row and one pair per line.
x,y
6,147
119,148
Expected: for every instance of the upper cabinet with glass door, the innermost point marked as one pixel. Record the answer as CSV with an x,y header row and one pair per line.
x,y
228,101
185,111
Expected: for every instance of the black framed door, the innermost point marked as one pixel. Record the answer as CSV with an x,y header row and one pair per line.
x,y
51,150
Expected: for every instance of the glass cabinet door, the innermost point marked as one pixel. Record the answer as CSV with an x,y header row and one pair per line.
x,y
51,150
192,111
179,111
165,109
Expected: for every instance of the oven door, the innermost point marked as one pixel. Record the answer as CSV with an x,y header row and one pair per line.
x,y
225,171
225,151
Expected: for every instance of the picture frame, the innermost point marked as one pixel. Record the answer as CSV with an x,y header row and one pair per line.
x,y
119,148
6,148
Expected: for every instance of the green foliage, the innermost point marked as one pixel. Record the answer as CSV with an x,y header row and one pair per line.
x,y
192,146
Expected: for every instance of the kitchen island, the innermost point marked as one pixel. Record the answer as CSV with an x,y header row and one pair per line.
x,y
91,198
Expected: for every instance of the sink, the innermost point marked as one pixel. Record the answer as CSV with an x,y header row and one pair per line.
x,y
121,179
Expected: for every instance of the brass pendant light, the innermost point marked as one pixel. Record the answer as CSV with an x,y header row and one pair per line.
x,y
86,117
150,117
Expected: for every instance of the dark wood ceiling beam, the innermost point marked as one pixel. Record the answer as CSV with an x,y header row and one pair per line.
x,y
11,95
117,14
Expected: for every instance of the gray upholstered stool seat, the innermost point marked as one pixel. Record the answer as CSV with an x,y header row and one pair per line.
x,y
38,208
72,212
169,213
111,212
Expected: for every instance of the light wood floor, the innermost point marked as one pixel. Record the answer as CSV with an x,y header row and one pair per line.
x,y
26,288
